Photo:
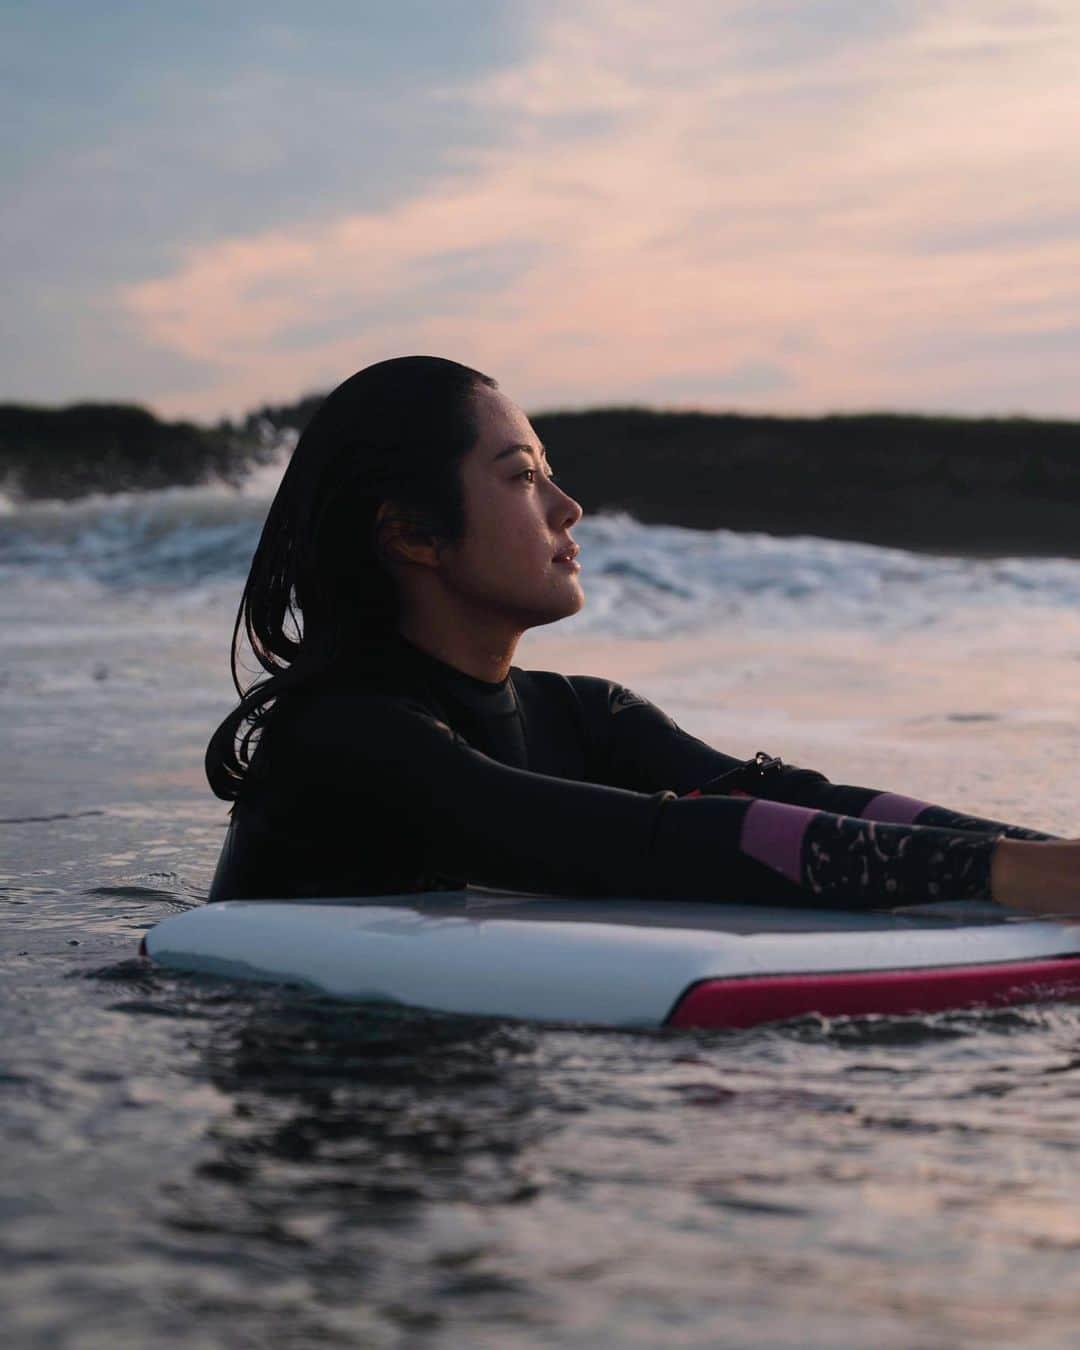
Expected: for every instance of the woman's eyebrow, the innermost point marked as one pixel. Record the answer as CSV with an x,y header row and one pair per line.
x,y
513,449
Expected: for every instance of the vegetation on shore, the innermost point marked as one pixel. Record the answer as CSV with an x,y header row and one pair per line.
x,y
945,483
115,447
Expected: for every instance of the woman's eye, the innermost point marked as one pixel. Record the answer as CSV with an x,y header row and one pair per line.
x,y
530,475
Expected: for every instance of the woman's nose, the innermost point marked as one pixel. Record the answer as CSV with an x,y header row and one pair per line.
x,y
567,511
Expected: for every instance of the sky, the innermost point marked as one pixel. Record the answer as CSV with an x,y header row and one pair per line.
x,y
776,205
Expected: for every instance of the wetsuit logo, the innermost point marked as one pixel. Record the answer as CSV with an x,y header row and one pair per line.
x,y
626,698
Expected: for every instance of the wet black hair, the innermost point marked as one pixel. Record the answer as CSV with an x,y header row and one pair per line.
x,y
394,432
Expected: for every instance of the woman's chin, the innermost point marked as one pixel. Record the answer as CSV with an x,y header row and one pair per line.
x,y
566,606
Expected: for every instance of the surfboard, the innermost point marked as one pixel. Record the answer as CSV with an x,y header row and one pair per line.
x,y
628,963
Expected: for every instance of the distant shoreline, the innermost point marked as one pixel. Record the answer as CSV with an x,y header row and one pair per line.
x,y
978,487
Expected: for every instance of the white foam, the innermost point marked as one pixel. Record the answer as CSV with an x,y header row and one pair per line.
x,y
195,545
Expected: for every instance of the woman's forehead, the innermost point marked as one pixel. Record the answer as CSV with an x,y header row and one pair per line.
x,y
501,425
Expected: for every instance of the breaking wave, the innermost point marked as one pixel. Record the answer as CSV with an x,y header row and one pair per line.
x,y
641,580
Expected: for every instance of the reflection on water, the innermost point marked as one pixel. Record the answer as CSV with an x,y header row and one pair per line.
x,y
196,1163
199,1155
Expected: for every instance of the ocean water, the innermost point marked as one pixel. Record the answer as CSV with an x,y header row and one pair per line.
x,y
196,1163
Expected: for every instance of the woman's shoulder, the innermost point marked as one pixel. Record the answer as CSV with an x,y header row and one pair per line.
x,y
596,694
332,701
596,689
336,709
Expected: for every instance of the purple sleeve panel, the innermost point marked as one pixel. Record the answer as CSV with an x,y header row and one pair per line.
x,y
773,832
889,808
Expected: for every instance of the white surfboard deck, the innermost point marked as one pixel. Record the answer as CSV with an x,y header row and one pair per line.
x,y
627,963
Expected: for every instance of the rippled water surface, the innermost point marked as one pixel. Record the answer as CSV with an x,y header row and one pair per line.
x,y
189,1162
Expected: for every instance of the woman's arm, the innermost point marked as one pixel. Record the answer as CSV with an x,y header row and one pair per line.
x,y
890,806
474,817
641,747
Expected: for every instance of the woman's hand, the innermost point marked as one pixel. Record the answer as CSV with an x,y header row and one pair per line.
x,y
1042,878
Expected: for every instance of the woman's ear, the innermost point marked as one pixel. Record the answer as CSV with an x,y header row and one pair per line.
x,y
400,539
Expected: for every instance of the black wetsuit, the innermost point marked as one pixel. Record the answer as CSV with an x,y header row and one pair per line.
x,y
404,774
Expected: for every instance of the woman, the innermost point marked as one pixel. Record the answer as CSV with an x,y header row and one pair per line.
x,y
393,747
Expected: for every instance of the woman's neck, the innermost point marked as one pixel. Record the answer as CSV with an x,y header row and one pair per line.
x,y
484,656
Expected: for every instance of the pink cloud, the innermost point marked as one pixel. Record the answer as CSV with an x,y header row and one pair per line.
x,y
679,208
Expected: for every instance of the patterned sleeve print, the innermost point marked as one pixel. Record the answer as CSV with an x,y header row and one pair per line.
x,y
844,860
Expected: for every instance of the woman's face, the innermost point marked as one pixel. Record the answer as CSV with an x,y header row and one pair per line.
x,y
513,557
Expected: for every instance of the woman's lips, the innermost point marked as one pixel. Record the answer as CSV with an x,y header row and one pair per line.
x,y
568,558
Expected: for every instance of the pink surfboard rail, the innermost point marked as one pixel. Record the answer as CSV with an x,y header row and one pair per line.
x,y
752,1000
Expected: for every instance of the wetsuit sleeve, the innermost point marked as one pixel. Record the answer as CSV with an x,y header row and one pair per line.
x,y
474,817
891,807
637,745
